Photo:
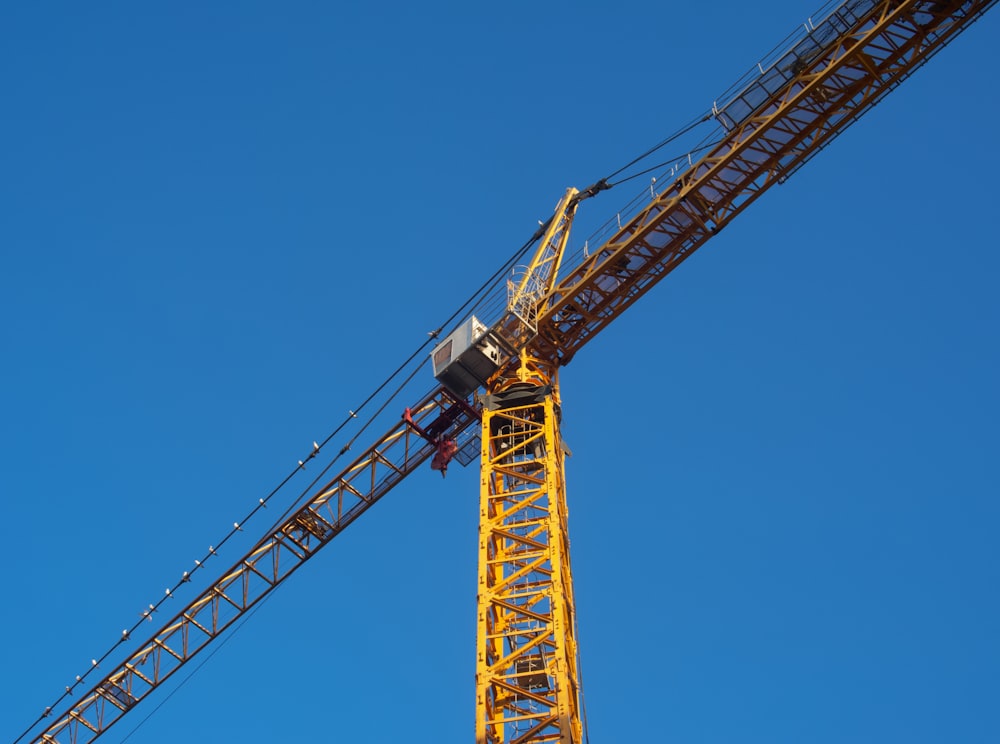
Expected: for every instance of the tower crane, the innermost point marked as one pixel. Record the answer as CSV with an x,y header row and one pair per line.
x,y
497,397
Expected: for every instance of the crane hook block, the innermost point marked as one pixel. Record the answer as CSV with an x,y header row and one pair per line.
x,y
466,358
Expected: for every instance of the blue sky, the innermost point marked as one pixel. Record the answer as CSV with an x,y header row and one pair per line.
x,y
224,225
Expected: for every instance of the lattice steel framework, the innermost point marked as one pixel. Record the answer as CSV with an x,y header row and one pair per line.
x,y
526,294
872,47
527,681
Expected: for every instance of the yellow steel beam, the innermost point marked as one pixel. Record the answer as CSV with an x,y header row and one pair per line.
x,y
527,683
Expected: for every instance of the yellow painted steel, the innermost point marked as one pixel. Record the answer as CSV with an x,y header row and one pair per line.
x,y
537,279
527,680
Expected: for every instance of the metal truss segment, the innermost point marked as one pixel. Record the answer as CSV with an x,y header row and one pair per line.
x,y
526,682
864,51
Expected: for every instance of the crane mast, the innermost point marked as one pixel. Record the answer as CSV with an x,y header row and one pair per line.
x,y
527,668
527,677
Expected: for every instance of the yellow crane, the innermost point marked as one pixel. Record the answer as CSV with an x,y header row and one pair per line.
x,y
498,378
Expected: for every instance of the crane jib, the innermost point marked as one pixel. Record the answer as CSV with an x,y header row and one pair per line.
x,y
821,93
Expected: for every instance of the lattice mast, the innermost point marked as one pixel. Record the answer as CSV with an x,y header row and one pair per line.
x,y
527,678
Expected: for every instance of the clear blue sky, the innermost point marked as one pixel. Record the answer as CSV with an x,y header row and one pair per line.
x,y
223,224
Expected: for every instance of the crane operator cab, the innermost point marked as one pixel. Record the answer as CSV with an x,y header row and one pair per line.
x,y
464,361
